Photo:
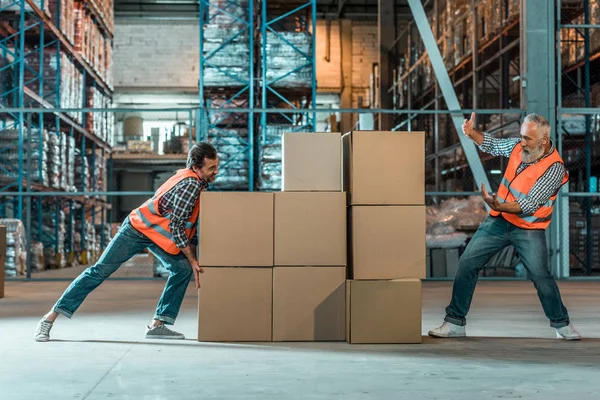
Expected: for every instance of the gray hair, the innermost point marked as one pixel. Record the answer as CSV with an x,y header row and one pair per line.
x,y
541,122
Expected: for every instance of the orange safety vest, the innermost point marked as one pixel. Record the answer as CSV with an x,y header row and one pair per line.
x,y
515,187
147,219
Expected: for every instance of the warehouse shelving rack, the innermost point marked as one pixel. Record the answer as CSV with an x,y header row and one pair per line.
x,y
258,87
217,127
579,130
26,34
489,63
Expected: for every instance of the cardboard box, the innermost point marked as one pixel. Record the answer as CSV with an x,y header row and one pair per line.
x,y
384,168
309,303
310,229
384,311
2,258
387,242
311,162
236,229
235,305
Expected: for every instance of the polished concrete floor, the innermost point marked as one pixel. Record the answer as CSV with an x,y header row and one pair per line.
x,y
101,353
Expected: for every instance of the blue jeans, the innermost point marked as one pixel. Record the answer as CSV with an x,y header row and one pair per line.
x,y
493,235
127,243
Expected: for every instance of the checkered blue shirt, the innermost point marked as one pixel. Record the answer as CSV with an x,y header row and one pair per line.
x,y
543,189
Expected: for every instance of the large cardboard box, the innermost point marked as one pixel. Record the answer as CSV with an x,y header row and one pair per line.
x,y
310,229
2,258
383,311
235,305
384,167
387,242
311,162
236,229
309,303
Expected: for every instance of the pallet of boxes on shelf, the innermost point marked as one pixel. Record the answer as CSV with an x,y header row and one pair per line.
x,y
63,17
283,58
92,43
52,231
229,57
62,82
99,123
229,133
15,262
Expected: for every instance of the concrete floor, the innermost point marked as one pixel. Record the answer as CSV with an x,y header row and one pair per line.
x,y
101,353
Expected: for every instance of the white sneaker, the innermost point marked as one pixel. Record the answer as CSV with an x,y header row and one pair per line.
x,y
42,331
162,332
568,333
448,330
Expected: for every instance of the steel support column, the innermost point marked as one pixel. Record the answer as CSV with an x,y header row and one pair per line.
x,y
539,93
447,90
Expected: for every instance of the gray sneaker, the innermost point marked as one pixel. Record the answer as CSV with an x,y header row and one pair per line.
x,y
162,332
42,332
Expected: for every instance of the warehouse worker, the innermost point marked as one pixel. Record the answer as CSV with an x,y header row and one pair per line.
x,y
166,225
519,214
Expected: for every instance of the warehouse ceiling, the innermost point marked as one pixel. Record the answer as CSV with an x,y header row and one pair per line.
x,y
188,9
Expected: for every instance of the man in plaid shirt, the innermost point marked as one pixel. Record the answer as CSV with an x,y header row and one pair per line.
x,y
165,225
520,213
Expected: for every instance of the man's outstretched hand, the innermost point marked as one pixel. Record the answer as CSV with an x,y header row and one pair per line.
x,y
468,126
491,200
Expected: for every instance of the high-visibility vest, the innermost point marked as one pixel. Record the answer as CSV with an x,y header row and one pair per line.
x,y
514,187
148,220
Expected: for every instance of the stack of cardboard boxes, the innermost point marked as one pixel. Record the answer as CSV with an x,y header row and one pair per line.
x,y
276,263
384,175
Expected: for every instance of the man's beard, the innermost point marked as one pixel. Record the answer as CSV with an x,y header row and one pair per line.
x,y
530,156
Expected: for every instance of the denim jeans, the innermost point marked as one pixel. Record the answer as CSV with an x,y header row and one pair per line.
x,y
127,243
493,235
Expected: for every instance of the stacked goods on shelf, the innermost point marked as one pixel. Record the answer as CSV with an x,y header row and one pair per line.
x,y
64,20
100,124
91,243
462,32
52,231
98,179
15,262
233,172
90,42
594,33
282,58
82,172
62,81
70,148
33,151
54,160
229,134
233,58
387,249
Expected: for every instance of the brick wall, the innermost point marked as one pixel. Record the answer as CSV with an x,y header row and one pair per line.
x,y
329,74
145,56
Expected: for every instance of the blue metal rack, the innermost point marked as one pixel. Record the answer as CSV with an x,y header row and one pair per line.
x,y
291,84
226,83
27,36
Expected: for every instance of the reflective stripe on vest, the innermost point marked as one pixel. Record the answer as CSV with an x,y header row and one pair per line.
x,y
514,187
155,226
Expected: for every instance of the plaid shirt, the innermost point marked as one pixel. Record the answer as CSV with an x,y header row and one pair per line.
x,y
543,189
180,201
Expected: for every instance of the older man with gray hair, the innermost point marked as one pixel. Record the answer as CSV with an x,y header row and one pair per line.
x,y
519,214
